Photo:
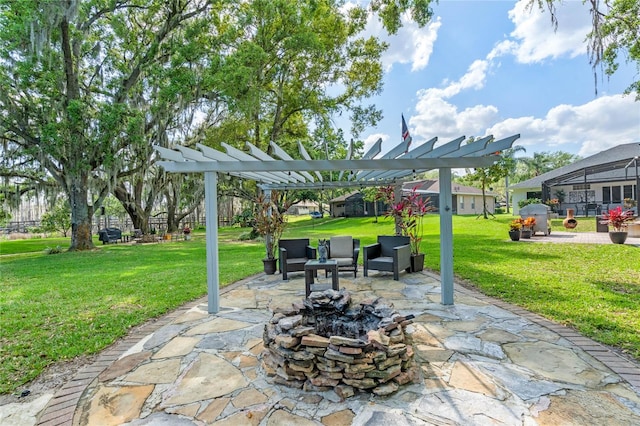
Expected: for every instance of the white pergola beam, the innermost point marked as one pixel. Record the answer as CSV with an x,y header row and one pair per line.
x,y
327,165
257,153
374,150
306,156
216,155
248,159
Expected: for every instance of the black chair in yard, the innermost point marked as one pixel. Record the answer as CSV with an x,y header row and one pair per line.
x,y
109,235
294,254
391,253
345,251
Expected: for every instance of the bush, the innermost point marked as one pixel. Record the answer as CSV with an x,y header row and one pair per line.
x,y
58,219
53,250
246,236
243,219
528,201
499,210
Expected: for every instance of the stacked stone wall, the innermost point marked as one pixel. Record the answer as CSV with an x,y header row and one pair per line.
x,y
378,361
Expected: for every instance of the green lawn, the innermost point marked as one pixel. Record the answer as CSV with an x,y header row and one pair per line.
x,y
56,307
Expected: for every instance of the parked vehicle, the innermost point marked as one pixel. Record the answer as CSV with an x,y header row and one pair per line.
x,y
316,215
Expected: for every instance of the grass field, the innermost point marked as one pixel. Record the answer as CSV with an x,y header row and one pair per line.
x,y
57,307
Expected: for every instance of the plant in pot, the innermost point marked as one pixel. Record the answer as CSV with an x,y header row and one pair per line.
x,y
187,232
553,204
527,227
514,229
617,220
409,214
629,203
269,222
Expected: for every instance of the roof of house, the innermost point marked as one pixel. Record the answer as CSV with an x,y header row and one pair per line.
x,y
432,186
604,166
344,197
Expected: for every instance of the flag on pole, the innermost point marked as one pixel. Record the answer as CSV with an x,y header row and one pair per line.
x,y
405,132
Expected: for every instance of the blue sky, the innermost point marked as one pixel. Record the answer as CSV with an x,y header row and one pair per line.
x,y
494,67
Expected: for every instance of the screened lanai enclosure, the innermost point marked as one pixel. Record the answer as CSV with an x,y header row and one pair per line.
x,y
282,172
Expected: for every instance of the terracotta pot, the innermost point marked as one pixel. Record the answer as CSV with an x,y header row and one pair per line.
x,y
569,222
618,237
514,235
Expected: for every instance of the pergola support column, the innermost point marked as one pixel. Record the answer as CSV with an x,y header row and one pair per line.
x,y
211,214
446,237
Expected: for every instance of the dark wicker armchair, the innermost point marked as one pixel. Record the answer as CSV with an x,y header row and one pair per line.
x,y
294,254
390,253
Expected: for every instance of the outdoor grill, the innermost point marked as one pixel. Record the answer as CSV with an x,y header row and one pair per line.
x,y
541,213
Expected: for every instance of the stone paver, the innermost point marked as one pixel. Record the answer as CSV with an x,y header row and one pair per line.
x,y
481,361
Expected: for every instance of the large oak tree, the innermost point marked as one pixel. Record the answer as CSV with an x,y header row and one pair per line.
x,y
69,71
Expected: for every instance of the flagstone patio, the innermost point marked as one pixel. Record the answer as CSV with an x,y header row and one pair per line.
x,y
481,362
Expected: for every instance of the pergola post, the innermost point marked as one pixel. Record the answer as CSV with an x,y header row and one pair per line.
x,y
397,197
446,237
211,214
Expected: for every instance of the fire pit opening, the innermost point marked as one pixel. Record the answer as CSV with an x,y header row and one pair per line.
x,y
325,342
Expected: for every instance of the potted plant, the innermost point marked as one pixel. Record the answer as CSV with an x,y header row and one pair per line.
x,y
409,214
269,222
617,220
187,232
629,203
553,203
514,229
527,227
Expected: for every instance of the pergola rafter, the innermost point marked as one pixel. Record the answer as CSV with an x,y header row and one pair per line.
x,y
285,172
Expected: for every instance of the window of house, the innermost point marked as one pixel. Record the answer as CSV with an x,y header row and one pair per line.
x,y
581,186
534,194
473,202
461,201
616,194
606,194
627,191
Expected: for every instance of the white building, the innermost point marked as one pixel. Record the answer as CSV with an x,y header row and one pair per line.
x,y
589,186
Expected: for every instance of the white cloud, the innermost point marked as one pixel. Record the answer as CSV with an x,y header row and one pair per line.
x,y
597,125
535,35
371,139
436,115
410,45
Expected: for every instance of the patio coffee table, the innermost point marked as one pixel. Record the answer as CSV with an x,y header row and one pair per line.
x,y
311,268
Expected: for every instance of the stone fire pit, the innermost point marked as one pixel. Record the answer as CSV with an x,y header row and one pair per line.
x,y
324,343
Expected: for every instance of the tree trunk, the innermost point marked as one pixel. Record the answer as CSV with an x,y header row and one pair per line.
x,y
139,216
81,213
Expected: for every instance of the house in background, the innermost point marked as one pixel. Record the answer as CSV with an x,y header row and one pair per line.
x,y
589,186
353,204
306,207
466,200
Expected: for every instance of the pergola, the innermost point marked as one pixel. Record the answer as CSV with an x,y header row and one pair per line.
x,y
284,172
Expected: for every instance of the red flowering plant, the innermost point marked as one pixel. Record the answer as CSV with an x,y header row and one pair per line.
x,y
616,218
409,213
